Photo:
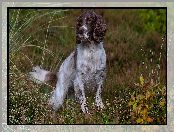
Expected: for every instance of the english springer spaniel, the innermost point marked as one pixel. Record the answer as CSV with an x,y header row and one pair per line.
x,y
85,68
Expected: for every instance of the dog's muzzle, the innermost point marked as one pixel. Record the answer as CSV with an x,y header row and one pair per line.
x,y
83,32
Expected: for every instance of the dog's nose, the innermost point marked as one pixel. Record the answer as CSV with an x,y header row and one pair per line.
x,y
83,29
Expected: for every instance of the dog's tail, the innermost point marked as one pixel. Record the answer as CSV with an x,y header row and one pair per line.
x,y
41,76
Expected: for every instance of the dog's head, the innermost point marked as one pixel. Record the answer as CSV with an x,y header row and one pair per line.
x,y
90,27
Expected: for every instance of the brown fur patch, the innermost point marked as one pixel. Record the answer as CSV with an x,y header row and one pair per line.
x,y
52,78
96,26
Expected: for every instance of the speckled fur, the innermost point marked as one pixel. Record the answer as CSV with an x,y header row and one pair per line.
x,y
84,68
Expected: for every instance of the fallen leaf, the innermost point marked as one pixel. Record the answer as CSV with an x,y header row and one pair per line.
x,y
139,120
134,106
141,80
162,103
149,119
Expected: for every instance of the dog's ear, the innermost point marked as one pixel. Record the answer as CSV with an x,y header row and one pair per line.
x,y
78,41
99,29
78,24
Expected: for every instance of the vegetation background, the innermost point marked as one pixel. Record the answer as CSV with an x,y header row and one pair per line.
x,y
135,88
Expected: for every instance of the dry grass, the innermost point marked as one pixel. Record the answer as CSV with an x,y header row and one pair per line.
x,y
47,37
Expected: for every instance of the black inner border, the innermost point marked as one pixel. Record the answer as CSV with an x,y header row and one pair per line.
x,y
8,8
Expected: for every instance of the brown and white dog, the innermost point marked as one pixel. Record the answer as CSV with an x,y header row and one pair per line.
x,y
85,68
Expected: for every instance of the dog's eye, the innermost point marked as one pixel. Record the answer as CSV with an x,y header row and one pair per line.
x,y
89,20
79,23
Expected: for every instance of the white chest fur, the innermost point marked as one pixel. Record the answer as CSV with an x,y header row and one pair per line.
x,y
90,58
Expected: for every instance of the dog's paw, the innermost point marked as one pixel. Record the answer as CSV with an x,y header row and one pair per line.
x,y
100,105
84,108
38,75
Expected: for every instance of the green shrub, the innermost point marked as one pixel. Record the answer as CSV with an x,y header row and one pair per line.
x,y
149,106
154,20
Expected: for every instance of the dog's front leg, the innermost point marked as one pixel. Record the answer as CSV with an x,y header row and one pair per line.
x,y
98,99
80,93
100,79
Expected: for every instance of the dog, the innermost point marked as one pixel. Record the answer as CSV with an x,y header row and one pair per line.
x,y
84,68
